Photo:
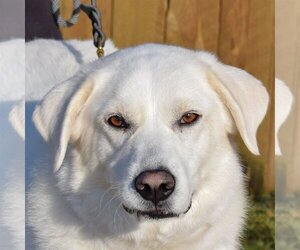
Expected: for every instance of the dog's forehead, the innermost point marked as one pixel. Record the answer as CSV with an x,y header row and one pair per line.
x,y
156,70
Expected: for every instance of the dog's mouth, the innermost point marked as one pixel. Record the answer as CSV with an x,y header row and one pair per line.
x,y
154,214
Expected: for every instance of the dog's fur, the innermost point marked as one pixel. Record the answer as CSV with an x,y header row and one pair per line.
x,y
80,206
283,106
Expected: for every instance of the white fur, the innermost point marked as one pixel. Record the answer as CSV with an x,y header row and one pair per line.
x,y
12,65
49,62
17,118
80,205
44,69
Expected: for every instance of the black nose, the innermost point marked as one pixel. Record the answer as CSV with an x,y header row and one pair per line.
x,y
155,185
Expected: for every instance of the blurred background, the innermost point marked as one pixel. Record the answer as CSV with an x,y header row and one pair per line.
x,y
287,166
12,16
12,146
241,33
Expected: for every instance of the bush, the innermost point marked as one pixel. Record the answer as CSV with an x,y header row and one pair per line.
x,y
288,222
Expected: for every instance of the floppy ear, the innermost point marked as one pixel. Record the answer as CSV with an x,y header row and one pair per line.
x,y
17,118
55,116
283,105
245,97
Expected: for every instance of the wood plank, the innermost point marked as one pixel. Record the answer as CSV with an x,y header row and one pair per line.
x,y
247,41
83,29
260,48
193,24
233,32
136,22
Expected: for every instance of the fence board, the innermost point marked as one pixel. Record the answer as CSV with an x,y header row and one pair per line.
x,y
83,29
287,69
193,24
136,22
247,41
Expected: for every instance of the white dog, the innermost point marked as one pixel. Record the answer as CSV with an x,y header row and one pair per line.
x,y
142,153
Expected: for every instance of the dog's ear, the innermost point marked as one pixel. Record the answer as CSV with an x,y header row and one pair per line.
x,y
55,116
17,118
244,96
283,105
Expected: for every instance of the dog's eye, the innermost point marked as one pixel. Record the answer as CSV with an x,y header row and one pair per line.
x,y
189,118
117,121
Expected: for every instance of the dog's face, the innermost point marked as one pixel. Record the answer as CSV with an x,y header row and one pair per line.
x,y
153,142
142,126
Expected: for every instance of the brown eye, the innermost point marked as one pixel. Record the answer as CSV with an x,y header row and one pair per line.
x,y
117,121
189,118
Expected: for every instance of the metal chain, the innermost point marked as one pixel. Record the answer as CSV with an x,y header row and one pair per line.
x,y
92,12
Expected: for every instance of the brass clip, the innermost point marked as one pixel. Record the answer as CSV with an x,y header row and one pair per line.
x,y
100,52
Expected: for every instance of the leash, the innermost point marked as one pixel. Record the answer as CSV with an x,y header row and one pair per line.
x,y
91,11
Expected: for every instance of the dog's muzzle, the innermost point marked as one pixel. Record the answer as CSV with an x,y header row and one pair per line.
x,y
155,185
154,214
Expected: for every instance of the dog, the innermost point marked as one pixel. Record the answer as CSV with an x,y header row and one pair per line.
x,y
48,62
138,153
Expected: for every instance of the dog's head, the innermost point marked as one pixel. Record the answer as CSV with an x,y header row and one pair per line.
x,y
141,130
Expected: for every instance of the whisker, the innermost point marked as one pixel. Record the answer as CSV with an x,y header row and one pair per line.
x,y
115,216
110,201
102,198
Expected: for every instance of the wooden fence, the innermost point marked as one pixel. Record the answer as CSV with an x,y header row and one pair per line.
x,y
240,32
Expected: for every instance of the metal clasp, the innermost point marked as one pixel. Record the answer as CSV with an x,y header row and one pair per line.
x,y
100,51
